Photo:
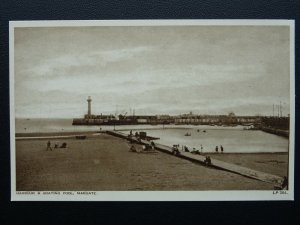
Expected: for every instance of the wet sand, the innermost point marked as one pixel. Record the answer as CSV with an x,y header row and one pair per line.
x,y
104,162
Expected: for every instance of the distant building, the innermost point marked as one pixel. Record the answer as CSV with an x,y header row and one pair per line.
x,y
230,119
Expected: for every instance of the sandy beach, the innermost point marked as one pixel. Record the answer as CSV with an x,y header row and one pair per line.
x,y
103,162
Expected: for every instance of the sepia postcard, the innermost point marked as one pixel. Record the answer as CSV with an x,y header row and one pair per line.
x,y
152,110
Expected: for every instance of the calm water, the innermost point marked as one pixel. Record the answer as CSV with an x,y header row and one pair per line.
x,y
233,139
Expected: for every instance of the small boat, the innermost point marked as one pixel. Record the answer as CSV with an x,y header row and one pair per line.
x,y
187,134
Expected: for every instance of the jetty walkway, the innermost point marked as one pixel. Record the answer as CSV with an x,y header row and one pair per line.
x,y
265,177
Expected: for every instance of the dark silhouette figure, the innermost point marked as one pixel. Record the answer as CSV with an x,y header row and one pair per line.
x,y
186,149
222,149
152,145
284,183
175,150
63,145
217,149
132,148
207,161
49,146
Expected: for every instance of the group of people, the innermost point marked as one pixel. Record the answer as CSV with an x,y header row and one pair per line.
x,y
144,147
221,149
136,134
175,150
63,145
194,151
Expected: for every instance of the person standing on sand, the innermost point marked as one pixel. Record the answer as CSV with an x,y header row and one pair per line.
x,y
222,149
132,148
49,146
217,149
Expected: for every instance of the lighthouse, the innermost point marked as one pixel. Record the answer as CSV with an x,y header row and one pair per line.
x,y
89,100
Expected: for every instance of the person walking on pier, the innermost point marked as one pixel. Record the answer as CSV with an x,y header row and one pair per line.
x,y
152,145
175,150
186,149
207,161
222,149
49,146
217,149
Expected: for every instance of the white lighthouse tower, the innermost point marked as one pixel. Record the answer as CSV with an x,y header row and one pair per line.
x,y
89,100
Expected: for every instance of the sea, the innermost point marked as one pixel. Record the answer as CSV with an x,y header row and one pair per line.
x,y
233,139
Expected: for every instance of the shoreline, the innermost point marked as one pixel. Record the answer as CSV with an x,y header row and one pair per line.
x,y
71,135
59,133
123,129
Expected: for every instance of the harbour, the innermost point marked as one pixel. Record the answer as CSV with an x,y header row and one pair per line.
x,y
278,125
234,139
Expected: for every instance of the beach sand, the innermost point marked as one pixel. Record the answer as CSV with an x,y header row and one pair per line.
x,y
273,163
104,163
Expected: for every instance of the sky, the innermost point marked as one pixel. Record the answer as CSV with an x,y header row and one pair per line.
x,y
151,70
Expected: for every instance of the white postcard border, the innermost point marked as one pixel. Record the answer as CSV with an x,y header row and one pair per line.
x,y
152,195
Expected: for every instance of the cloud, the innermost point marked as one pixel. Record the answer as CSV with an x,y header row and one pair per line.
x,y
152,69
140,80
59,65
